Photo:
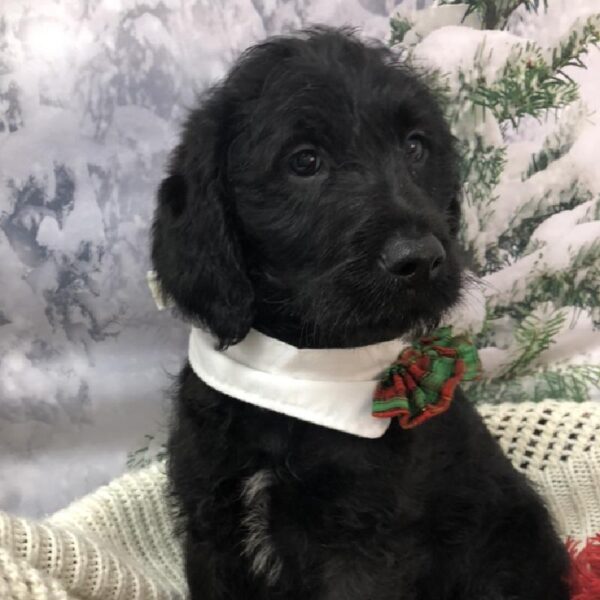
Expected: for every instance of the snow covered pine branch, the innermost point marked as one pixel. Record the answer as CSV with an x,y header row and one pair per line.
x,y
531,202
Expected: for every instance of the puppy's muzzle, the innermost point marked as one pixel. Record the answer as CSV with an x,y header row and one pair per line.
x,y
413,260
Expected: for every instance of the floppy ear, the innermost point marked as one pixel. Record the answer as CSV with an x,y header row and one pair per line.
x,y
195,250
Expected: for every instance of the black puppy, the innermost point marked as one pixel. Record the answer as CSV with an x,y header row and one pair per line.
x,y
313,197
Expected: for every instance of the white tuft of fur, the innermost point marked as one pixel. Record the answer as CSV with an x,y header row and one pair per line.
x,y
258,545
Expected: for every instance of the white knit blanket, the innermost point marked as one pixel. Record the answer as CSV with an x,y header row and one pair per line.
x,y
118,543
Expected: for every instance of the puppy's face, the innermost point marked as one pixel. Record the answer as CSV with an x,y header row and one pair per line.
x,y
334,179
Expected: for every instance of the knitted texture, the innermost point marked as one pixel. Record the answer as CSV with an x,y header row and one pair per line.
x,y
421,382
557,445
115,544
119,544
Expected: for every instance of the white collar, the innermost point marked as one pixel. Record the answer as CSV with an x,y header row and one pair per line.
x,y
329,387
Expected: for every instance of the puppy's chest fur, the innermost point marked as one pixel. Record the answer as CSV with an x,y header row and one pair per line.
x,y
295,506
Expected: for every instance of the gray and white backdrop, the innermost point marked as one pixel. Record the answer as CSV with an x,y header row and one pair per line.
x,y
91,95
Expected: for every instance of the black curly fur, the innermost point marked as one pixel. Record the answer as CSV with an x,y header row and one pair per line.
x,y
434,513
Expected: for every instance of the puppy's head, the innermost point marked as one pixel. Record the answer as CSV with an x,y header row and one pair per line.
x,y
313,196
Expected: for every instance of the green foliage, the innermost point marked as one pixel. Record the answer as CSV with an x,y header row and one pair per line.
x,y
530,84
577,44
559,141
514,242
147,454
534,335
576,286
495,13
399,26
485,336
547,155
481,166
527,86
570,384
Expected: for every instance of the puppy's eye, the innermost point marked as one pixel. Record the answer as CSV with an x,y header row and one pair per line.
x,y
415,148
305,162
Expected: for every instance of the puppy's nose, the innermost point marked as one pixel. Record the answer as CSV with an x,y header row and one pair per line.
x,y
413,259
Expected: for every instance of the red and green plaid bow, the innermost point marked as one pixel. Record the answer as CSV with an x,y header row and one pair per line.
x,y
421,382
